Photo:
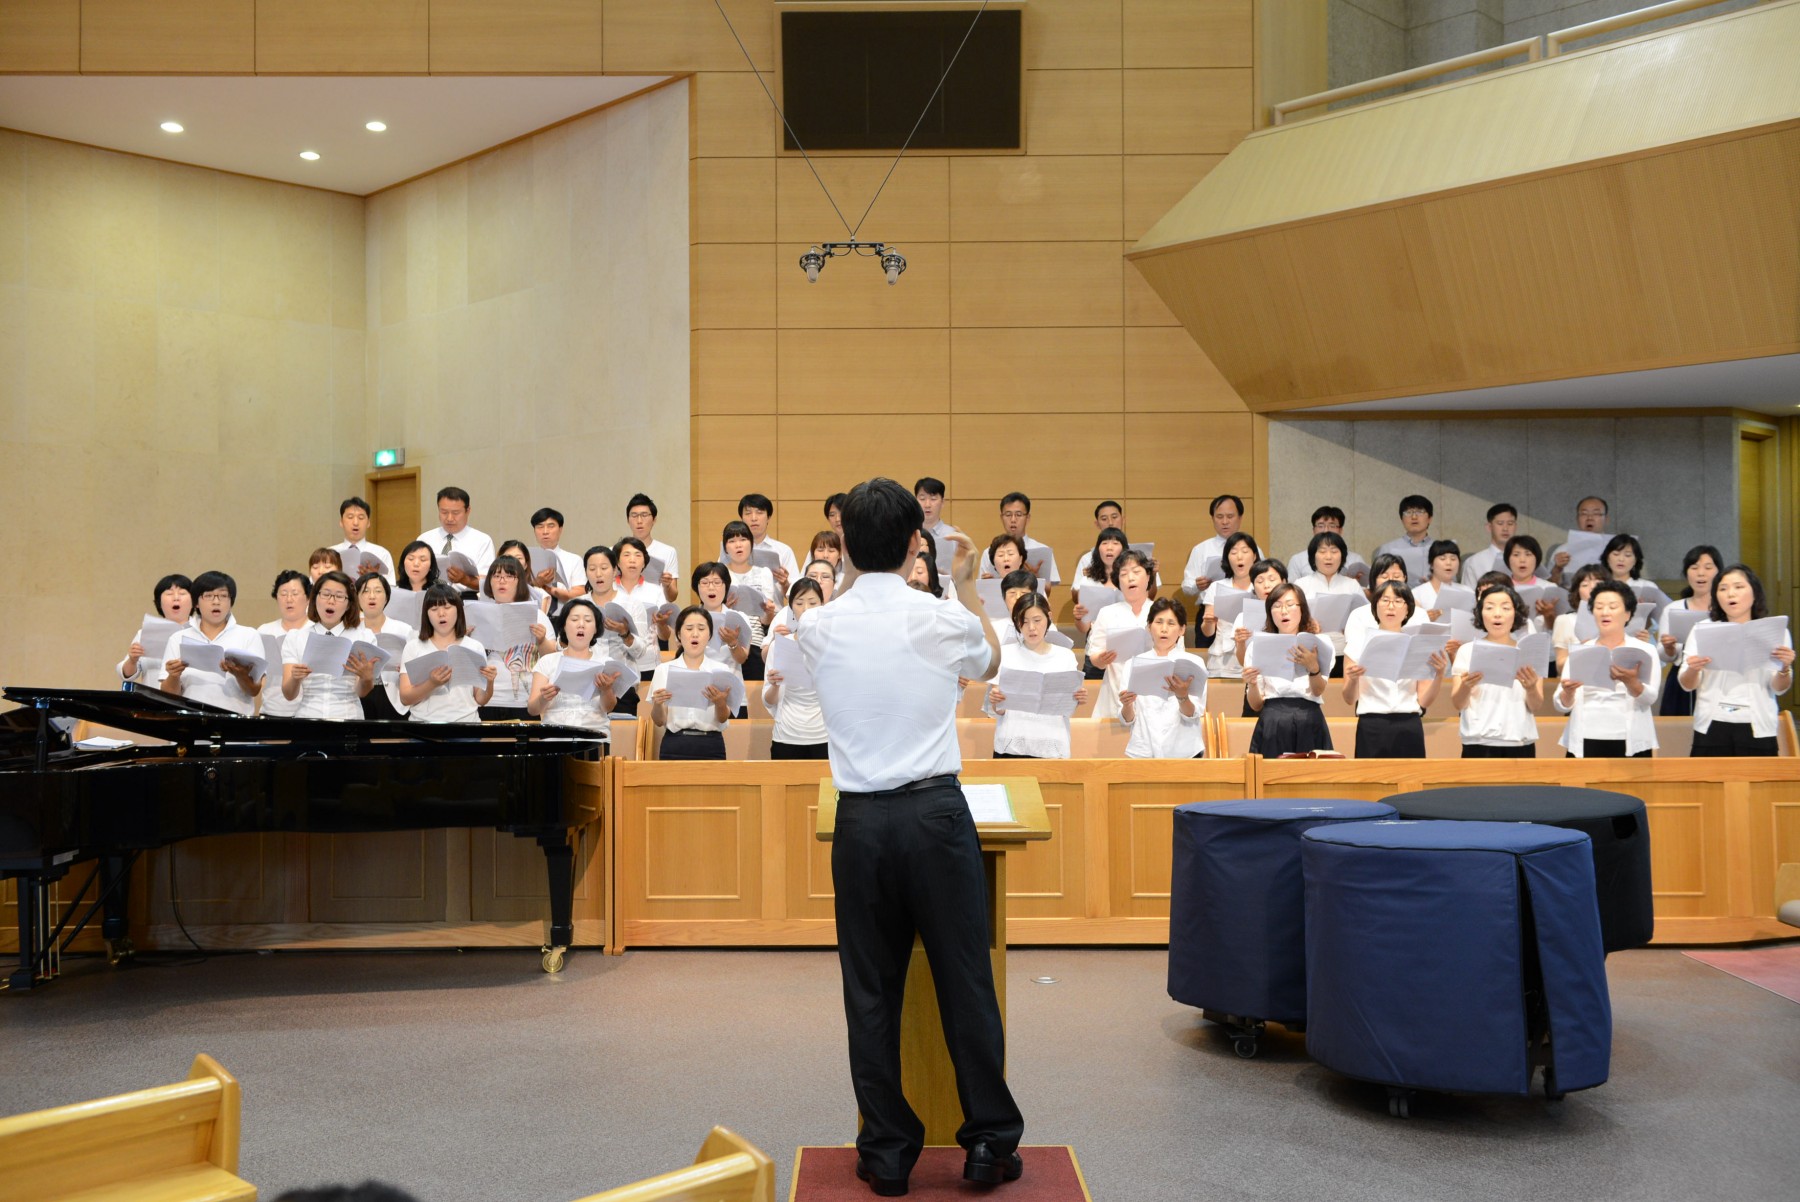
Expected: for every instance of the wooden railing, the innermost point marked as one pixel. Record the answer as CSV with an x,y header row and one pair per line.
x,y
1556,40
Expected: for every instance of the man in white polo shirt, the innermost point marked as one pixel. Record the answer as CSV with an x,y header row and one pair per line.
x,y
905,857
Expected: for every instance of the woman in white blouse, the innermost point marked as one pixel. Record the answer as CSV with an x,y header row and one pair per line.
x,y
1241,555
1390,713
1326,553
1615,721
1734,712
339,696
173,597
1289,714
1523,555
1562,632
630,642
581,626
1443,567
738,547
799,732
508,582
1167,724
690,732
1499,716
433,698
631,556
292,593
392,636
1132,577
1700,566
1018,734
232,686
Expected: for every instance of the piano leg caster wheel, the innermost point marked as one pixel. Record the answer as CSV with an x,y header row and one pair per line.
x,y
553,958
1400,1102
118,951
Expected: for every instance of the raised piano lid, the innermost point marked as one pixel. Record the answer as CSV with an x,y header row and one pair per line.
x,y
176,719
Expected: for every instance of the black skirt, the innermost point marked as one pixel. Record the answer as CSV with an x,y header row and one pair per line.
x,y
698,745
379,707
753,667
1477,751
1290,724
1677,702
798,751
627,700
1390,737
505,713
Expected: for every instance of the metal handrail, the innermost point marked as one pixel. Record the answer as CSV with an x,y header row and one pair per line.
x,y
1531,48
1556,39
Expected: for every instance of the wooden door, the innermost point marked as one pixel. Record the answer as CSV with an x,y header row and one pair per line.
x,y
397,519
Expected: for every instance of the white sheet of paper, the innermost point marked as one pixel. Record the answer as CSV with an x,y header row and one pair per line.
x,y
407,606
730,619
1455,596
577,677
1057,696
465,667
1739,646
498,626
988,803
764,557
1382,654
665,612
259,667
946,552
1150,674
1590,665
1493,663
612,611
459,561
1679,621
1128,642
653,570
1271,655
272,649
352,560
1418,563
1021,687
326,653
1463,628
1095,596
1212,568
543,559
687,687
156,634
1357,571
1584,547
1332,610
992,599
1057,638
1531,594
1417,665
1650,597
1228,603
1148,549
1535,651
198,653
1037,558
747,599
1254,615
393,644
785,658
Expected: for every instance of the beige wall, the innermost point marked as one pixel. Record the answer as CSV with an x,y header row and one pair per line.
x,y
528,316
181,388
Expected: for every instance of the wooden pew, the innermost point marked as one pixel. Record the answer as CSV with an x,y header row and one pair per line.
x,y
173,1143
729,1169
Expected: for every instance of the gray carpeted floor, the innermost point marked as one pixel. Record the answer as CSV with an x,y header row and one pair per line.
x,y
476,1078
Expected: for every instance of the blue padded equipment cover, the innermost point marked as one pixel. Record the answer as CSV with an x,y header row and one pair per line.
x,y
1237,939
1418,963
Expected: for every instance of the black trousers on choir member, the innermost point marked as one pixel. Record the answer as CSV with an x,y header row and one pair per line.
x,y
1731,739
698,745
906,863
379,707
505,713
1609,749
798,751
1390,737
753,667
627,700
1476,751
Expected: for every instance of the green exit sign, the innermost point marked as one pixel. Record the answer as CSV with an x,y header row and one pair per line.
x,y
390,457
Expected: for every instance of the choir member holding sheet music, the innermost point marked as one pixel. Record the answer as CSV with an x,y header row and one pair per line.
x,y
392,635
215,661
1108,515
1586,542
690,696
1539,596
419,567
556,571
1206,560
1165,693
924,574
788,693
464,553
1015,519
1329,518
633,560
323,560
1413,547
1285,669
1446,564
830,548
1362,622
1242,617
1699,566
444,675
929,492
1118,632
328,665
513,548
1241,554
1496,691
1563,634
360,557
626,630
1502,524
755,590
1036,690
729,643
173,597
1608,685
523,630
1094,588
754,511
1330,595
1736,665
578,684
640,516
1392,691
293,595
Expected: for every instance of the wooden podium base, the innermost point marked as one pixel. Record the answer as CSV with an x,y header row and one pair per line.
x,y
1052,1174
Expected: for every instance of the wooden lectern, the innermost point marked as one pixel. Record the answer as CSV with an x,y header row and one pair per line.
x,y
925,1070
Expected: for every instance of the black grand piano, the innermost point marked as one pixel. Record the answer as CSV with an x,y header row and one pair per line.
x,y
217,773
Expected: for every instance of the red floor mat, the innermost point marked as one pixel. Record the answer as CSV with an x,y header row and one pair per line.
x,y
1051,1175
1776,969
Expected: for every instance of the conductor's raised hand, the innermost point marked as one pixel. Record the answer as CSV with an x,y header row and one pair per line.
x,y
964,559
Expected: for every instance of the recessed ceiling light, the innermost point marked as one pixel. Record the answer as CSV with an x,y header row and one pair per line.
x,y
375,127
310,155
171,127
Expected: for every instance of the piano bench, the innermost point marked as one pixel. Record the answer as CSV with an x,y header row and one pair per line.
x,y
173,1143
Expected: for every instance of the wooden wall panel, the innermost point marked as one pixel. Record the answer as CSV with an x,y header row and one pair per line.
x,y
868,371
199,37
992,454
1072,33
1143,307
1035,199
733,200
658,36
1070,284
733,288
529,37
734,371
392,876
1038,370
820,455
230,879
1154,182
1186,111
732,117
732,456
1175,526
914,205
40,35
852,292
1074,112
1163,452
1187,33
374,37
1165,371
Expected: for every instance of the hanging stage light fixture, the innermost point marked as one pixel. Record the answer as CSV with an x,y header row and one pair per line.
x,y
814,260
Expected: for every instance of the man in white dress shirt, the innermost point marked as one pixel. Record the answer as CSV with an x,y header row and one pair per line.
x,y
885,660
1324,518
640,515
1040,559
1591,514
1414,547
755,510
1227,512
930,493
353,517
453,533
568,579
1502,524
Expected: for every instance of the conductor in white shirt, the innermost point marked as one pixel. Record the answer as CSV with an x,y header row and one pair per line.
x,y
885,660
453,533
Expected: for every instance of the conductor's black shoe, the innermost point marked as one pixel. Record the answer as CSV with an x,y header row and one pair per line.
x,y
983,1165
884,1187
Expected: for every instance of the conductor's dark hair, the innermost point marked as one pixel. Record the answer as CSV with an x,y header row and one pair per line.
x,y
352,615
710,568
547,514
931,486
1526,541
363,585
281,578
1442,546
836,501
1167,605
1520,617
1276,594
1327,511
1759,603
177,580
368,1191
1221,499
1020,497
1141,560
755,500
350,503
1622,542
682,617
207,582
880,518
806,584
1023,578
1495,511
453,493
737,530
1415,501
431,573
1237,540
1587,572
637,499
442,594
1326,538
612,556
1096,570
1001,540
562,637
1399,589
1027,603
1270,565
1619,589
1693,557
